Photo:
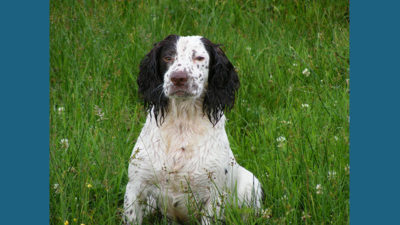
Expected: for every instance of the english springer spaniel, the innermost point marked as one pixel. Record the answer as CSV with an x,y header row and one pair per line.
x,y
182,164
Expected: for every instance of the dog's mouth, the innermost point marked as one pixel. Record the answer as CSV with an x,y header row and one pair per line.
x,y
180,92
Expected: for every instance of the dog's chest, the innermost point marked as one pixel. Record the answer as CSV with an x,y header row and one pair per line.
x,y
187,157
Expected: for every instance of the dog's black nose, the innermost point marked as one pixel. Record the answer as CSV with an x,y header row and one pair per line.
x,y
179,78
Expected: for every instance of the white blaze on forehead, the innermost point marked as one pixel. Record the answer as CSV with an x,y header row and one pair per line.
x,y
186,45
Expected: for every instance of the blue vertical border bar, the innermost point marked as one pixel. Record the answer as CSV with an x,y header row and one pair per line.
x,y
375,112
24,114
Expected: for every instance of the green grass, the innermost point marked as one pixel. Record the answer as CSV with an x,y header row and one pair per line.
x,y
95,50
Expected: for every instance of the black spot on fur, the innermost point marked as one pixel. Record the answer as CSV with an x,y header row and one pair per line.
x,y
176,204
198,66
226,171
223,83
151,77
193,53
130,212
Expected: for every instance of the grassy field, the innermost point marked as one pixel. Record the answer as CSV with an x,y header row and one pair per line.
x,y
289,126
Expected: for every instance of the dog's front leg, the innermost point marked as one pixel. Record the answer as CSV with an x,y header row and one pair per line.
x,y
249,189
134,205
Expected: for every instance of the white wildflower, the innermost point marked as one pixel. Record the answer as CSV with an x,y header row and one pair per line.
x,y
281,139
286,122
60,110
266,213
318,189
57,188
306,72
294,64
248,48
331,175
347,168
64,142
99,112
336,138
305,105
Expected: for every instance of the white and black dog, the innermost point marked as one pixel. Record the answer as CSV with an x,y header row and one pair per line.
x,y
182,159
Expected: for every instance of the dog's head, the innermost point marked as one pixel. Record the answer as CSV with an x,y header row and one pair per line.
x,y
188,68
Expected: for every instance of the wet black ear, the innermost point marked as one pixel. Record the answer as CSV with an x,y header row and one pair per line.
x,y
151,78
223,83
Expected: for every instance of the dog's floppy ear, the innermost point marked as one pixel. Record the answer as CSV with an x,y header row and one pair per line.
x,y
223,83
150,80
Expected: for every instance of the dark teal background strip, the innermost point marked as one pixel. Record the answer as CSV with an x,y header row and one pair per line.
x,y
24,112
375,111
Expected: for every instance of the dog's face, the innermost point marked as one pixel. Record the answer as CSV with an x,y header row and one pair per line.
x,y
187,68
186,64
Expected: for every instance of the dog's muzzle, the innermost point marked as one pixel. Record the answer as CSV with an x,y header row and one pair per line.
x,y
180,86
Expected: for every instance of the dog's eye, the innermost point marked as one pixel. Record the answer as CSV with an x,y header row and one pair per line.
x,y
168,59
199,58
